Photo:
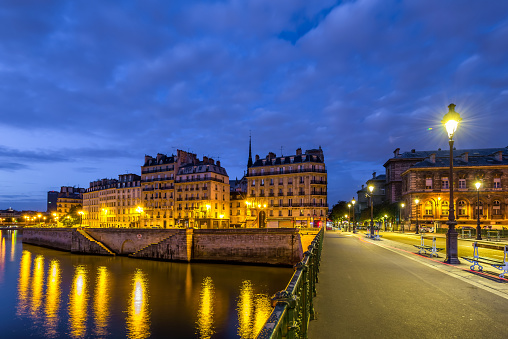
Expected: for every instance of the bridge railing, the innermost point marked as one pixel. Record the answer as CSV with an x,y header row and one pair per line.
x,y
293,307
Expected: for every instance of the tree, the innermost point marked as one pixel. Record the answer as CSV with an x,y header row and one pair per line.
x,y
339,210
72,218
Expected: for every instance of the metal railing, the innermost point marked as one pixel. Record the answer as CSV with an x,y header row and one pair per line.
x,y
293,307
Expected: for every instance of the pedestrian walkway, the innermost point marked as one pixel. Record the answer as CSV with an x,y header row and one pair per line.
x,y
383,289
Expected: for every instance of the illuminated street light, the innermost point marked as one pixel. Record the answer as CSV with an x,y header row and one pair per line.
x,y
371,189
81,218
451,121
354,222
386,221
348,222
478,227
402,205
417,226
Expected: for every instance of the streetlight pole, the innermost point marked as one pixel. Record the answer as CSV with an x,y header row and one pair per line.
x,y
478,226
386,221
416,207
354,222
349,217
371,189
451,120
400,214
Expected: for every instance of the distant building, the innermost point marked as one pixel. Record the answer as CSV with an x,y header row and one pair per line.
x,y
52,201
287,191
378,194
68,198
428,181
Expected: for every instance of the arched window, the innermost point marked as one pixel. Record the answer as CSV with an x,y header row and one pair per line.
x,y
479,206
496,207
461,206
428,208
445,208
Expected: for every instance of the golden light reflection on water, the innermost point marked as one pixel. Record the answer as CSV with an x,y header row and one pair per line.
x,y
78,303
205,328
13,244
37,286
253,310
52,298
138,318
23,282
2,257
101,302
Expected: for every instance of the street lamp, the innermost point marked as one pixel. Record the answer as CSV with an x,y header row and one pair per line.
x,y
478,227
451,120
386,219
417,226
400,209
354,222
139,209
371,189
348,221
39,219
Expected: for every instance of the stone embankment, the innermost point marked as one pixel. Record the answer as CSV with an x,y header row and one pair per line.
x,y
248,246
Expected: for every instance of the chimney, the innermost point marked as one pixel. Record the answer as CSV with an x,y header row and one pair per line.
x,y
396,152
465,157
433,158
499,156
211,161
257,157
298,151
205,160
413,151
159,157
374,175
147,157
218,163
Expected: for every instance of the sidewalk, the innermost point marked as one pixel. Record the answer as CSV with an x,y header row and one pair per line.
x,y
382,289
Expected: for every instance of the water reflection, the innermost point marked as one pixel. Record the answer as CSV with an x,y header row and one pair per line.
x,y
138,319
52,299
204,322
101,302
13,244
78,303
253,310
23,282
2,257
37,286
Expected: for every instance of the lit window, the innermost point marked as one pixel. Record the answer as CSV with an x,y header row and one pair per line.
x,y
462,183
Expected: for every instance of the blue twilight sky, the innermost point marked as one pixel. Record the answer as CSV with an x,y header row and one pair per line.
x,y
87,88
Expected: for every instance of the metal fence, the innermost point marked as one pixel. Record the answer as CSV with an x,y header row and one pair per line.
x,y
293,307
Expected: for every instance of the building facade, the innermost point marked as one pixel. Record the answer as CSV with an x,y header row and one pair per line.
x,y
68,198
428,182
287,191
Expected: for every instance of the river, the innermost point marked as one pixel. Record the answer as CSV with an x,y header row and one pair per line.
x,y
46,293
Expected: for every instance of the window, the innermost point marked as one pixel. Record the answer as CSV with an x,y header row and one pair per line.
x,y
496,207
428,183
253,183
280,213
271,181
428,208
479,207
462,183
281,182
262,182
461,208
290,213
290,202
497,182
445,183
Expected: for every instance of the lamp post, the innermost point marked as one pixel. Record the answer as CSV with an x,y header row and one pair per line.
x,y
80,218
348,220
139,209
451,120
400,209
478,227
386,221
371,189
354,222
417,226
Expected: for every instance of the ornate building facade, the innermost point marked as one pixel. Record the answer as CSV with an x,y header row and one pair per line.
x,y
287,191
427,181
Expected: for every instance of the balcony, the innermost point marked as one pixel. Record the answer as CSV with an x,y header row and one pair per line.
x,y
318,182
281,194
305,170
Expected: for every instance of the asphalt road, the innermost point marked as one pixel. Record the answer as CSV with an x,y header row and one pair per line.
x,y
367,291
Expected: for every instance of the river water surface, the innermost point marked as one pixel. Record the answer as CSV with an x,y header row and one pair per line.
x,y
52,294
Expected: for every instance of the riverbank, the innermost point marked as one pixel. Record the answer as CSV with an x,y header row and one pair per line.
x,y
279,247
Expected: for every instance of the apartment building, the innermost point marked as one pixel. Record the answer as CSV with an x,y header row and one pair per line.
x,y
287,191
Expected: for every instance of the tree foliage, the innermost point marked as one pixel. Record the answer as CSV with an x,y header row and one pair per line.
x,y
72,218
339,210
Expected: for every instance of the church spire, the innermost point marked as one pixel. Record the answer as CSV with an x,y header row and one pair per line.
x,y
249,162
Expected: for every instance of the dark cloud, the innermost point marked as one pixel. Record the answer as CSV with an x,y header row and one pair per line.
x,y
86,89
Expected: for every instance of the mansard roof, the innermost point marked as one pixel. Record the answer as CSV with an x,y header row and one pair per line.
x,y
163,159
201,167
283,160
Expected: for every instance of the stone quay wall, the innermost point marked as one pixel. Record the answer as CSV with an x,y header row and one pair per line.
x,y
248,246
